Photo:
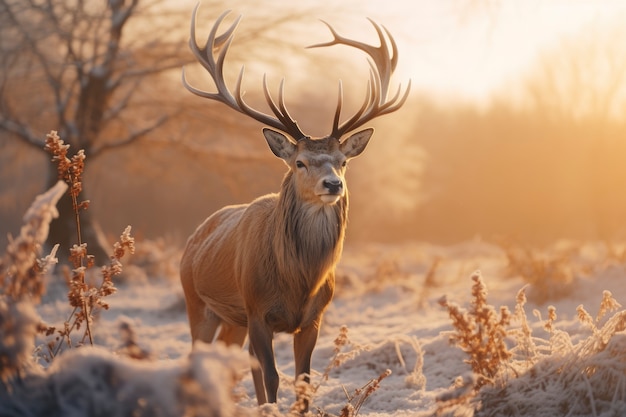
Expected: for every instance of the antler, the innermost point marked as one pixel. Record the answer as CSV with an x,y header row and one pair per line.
x,y
382,66
215,67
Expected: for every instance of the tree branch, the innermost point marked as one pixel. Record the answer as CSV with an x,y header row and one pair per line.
x,y
131,138
22,132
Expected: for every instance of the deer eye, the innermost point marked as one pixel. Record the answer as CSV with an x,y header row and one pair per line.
x,y
300,164
344,163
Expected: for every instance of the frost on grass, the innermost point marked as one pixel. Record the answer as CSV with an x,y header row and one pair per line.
x,y
18,278
368,365
92,381
480,332
537,376
587,378
19,324
21,284
95,382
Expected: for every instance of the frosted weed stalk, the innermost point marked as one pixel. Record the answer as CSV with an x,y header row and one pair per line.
x,y
537,376
480,332
22,284
360,395
85,299
587,378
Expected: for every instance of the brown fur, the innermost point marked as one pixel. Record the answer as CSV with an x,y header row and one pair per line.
x,y
269,266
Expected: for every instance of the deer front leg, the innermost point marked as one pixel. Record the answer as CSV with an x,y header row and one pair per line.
x,y
257,378
303,343
261,345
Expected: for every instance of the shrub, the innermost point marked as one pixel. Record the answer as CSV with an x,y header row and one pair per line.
x,y
480,332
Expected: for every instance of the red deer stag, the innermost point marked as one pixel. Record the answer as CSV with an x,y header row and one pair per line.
x,y
268,266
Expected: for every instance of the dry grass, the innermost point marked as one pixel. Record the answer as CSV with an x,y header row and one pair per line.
x,y
551,275
480,332
360,395
587,378
549,376
92,381
85,298
22,273
22,285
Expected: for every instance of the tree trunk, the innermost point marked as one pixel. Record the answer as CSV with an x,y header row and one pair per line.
x,y
63,230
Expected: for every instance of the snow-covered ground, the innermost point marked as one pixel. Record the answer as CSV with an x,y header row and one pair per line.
x,y
387,296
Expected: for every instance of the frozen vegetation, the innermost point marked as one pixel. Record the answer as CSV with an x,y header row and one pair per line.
x,y
414,330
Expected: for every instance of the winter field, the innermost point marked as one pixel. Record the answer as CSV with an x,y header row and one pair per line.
x,y
456,341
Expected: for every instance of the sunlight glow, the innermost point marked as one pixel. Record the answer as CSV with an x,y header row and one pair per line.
x,y
471,49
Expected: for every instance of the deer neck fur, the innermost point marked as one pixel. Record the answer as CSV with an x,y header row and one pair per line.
x,y
308,236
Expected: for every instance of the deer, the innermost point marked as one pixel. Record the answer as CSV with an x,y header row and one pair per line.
x,y
252,270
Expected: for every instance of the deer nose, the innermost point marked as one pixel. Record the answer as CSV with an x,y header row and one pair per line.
x,y
333,186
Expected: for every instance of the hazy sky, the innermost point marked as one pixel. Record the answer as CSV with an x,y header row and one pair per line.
x,y
470,47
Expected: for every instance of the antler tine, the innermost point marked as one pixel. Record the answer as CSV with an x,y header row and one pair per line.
x,y
204,55
383,63
339,130
338,110
281,110
220,45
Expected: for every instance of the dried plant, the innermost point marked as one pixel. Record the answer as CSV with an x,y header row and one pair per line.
x,y
524,342
22,284
602,334
430,281
21,274
69,170
550,275
85,299
130,347
338,357
582,379
360,395
480,332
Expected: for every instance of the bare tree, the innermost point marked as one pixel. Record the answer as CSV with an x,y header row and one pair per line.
x,y
70,66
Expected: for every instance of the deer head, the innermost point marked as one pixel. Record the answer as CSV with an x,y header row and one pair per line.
x,y
318,165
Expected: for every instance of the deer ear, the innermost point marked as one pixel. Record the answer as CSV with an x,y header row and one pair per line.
x,y
280,145
355,144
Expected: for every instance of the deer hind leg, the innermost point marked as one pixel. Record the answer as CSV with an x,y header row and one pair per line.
x,y
206,327
203,323
232,335
237,335
261,347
